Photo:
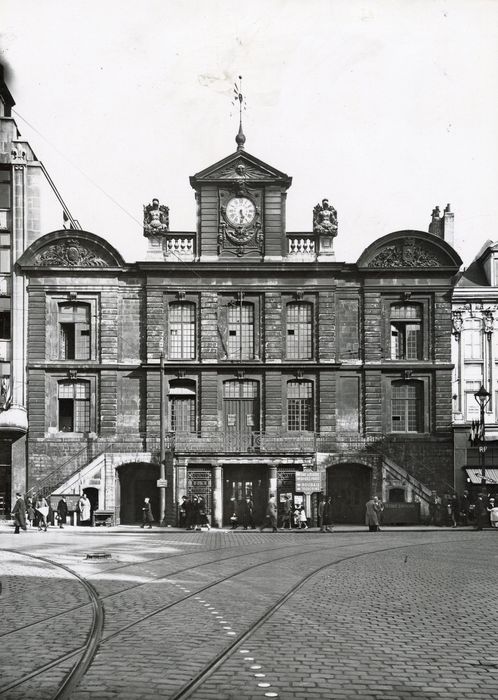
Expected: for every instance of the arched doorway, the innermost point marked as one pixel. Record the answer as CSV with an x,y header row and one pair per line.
x,y
137,481
350,486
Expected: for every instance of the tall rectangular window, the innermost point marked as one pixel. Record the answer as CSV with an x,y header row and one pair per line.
x,y
241,332
74,406
472,339
5,328
5,188
74,331
181,331
406,407
299,406
406,332
299,331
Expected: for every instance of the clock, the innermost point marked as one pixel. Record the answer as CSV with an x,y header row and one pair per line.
x,y
240,211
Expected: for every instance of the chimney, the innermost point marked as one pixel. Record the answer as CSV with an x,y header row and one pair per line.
x,y
448,225
435,226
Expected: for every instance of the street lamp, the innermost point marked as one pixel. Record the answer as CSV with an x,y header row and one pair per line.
x,y
482,397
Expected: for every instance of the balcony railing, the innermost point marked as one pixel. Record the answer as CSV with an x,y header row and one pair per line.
x,y
301,247
179,246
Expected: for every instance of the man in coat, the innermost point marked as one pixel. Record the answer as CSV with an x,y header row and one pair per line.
x,y
373,509
19,513
271,514
62,512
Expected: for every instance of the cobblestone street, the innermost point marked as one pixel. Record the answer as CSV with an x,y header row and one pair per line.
x,y
226,615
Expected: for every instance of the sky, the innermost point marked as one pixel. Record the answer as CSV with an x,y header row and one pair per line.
x,y
385,107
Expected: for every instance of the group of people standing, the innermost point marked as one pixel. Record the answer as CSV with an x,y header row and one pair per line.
x,y
452,511
193,514
36,512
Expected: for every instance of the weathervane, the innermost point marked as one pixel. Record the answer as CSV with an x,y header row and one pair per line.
x,y
240,138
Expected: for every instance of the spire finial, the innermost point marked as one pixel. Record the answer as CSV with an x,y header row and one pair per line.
x,y
240,138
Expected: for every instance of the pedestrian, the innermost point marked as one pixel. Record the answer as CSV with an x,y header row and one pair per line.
x,y
250,513
493,513
321,506
203,516
19,514
196,515
449,510
147,517
85,510
295,516
187,504
373,510
183,512
41,507
62,512
481,513
464,509
30,511
327,515
287,514
271,515
303,520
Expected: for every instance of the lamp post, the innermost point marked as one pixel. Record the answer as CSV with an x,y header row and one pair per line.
x,y
482,397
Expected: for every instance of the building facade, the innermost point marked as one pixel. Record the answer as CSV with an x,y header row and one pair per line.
x,y
475,357
277,368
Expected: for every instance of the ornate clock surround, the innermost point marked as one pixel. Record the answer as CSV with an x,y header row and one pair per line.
x,y
246,238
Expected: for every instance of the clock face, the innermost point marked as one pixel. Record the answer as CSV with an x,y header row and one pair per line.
x,y
240,211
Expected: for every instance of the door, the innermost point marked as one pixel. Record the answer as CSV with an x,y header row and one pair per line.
x,y
350,486
241,415
241,482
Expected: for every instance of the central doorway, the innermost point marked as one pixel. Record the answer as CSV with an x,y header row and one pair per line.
x,y
350,486
241,482
138,481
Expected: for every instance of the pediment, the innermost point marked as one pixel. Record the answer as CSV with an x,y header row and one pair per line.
x,y
240,167
71,249
409,250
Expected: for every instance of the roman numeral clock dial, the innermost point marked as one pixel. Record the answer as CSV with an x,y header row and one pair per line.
x,y
240,211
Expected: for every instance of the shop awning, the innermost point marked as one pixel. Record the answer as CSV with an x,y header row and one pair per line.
x,y
475,475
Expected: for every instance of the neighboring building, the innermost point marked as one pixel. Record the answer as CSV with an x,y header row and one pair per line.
x,y
475,357
285,370
22,178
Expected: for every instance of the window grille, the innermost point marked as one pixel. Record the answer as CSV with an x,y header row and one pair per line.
x,y
299,406
406,407
299,331
406,332
181,331
241,332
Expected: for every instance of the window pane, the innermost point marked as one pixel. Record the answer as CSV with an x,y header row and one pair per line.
x,y
5,325
299,331
299,405
241,332
181,331
183,414
5,260
406,407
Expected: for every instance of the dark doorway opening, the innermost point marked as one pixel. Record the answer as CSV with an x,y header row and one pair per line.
x,y
138,481
245,481
350,486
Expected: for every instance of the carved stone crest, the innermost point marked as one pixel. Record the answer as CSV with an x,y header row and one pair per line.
x,y
238,170
408,253
156,218
325,219
69,253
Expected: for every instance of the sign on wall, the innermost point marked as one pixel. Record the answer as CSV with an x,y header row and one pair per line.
x,y
309,482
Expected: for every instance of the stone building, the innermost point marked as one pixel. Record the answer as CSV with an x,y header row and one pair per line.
x,y
475,358
285,371
22,181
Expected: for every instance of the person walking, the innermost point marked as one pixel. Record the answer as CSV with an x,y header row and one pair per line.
x,y
493,513
287,514
183,512
464,509
303,520
196,514
321,506
187,505
271,515
147,517
85,510
42,509
19,514
250,513
373,510
62,512
327,515
481,512
30,512
203,516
